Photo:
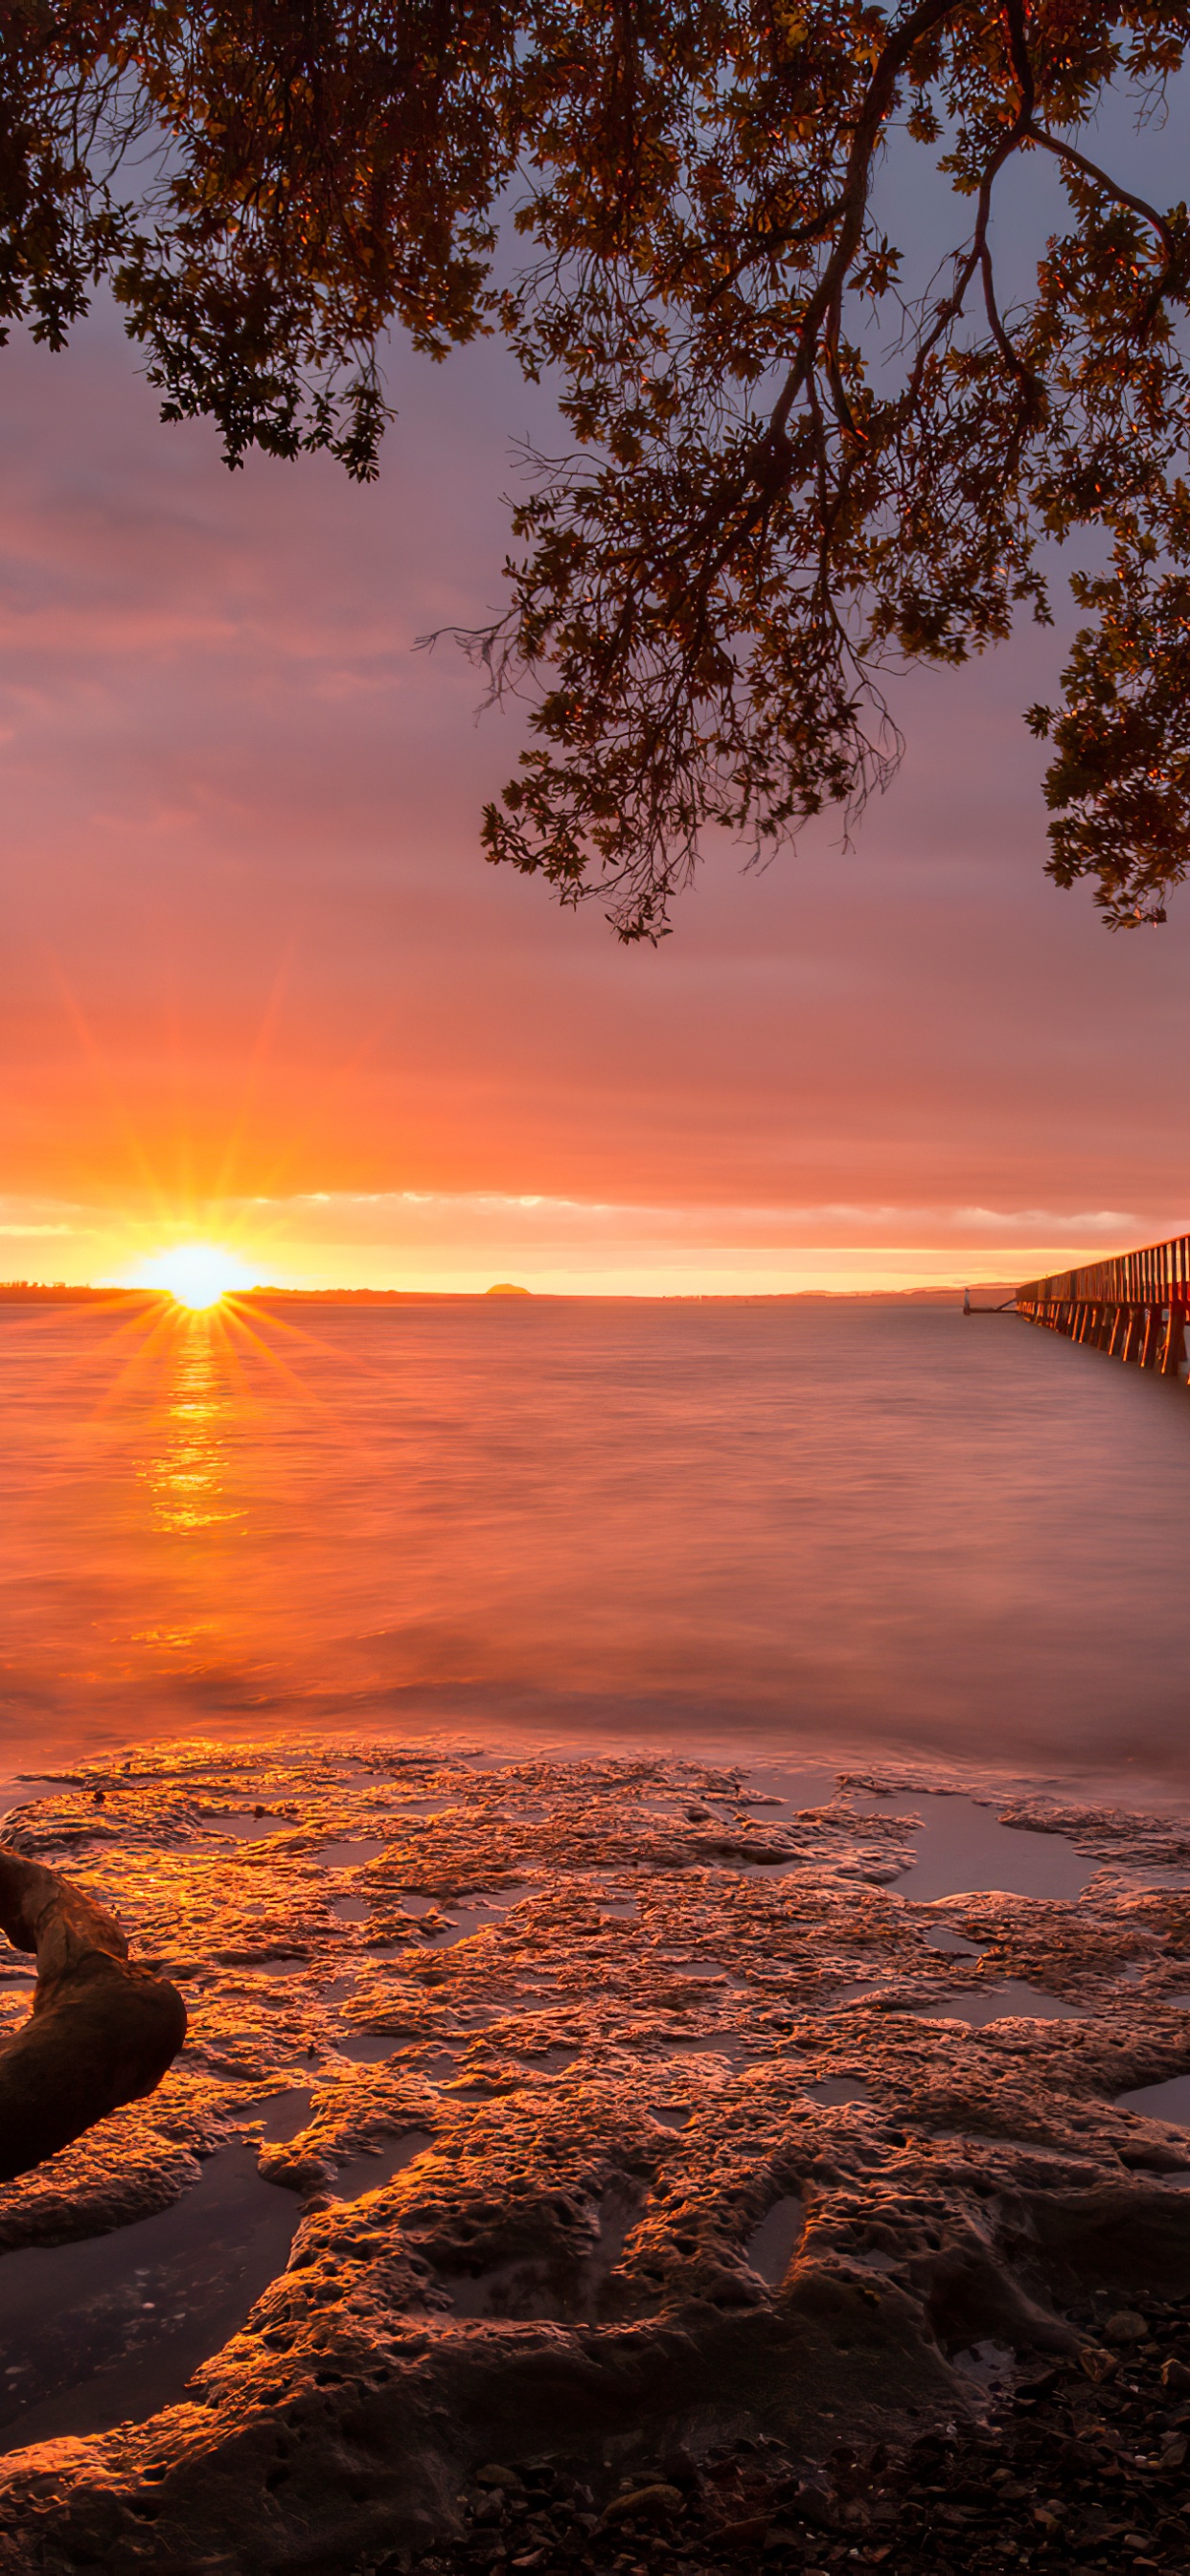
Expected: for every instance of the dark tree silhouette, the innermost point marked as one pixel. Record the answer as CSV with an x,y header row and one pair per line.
x,y
791,468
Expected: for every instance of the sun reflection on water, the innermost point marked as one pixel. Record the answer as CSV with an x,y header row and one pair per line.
x,y
187,1470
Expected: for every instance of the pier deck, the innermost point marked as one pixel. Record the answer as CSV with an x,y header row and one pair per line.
x,y
1135,1306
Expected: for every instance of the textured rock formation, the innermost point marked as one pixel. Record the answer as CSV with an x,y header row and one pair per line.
x,y
673,2139
102,2030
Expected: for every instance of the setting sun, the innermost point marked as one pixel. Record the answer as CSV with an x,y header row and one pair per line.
x,y
196,1274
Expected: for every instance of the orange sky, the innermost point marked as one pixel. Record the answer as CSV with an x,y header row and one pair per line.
x,y
258,986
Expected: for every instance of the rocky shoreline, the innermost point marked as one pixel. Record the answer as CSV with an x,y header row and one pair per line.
x,y
637,2133
1084,2467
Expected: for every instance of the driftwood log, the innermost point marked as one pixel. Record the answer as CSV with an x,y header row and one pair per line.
x,y
102,2030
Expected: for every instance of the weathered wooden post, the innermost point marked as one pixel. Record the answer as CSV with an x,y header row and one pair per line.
x,y
1174,1349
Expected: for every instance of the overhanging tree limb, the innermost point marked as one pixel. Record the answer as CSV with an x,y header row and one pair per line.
x,y
764,506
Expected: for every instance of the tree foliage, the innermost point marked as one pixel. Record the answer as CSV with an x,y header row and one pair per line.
x,y
790,465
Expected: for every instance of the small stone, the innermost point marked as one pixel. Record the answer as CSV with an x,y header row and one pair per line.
x,y
492,2475
742,2535
1126,2327
815,2504
652,2501
1175,2375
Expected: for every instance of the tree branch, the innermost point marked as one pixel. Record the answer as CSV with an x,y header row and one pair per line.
x,y
1062,151
877,104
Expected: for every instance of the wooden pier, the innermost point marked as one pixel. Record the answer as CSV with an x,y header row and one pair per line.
x,y
1135,1307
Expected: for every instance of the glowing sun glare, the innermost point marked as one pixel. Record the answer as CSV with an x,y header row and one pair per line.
x,y
197,1274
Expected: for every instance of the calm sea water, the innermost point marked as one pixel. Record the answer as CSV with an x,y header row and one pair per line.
x,y
851,1528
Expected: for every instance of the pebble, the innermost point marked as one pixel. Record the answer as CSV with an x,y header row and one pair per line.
x,y
649,2500
1071,2470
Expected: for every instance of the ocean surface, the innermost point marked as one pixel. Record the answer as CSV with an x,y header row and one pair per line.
x,y
850,1531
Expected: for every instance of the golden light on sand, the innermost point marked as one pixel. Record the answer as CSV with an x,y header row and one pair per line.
x,y
196,1274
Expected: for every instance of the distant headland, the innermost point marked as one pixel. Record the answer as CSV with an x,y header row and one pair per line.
x,y
40,1292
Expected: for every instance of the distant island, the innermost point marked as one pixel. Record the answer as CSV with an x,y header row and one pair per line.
x,y
60,1292
371,1296
40,1292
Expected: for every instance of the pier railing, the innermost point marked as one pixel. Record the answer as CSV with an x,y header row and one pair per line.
x,y
1135,1306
